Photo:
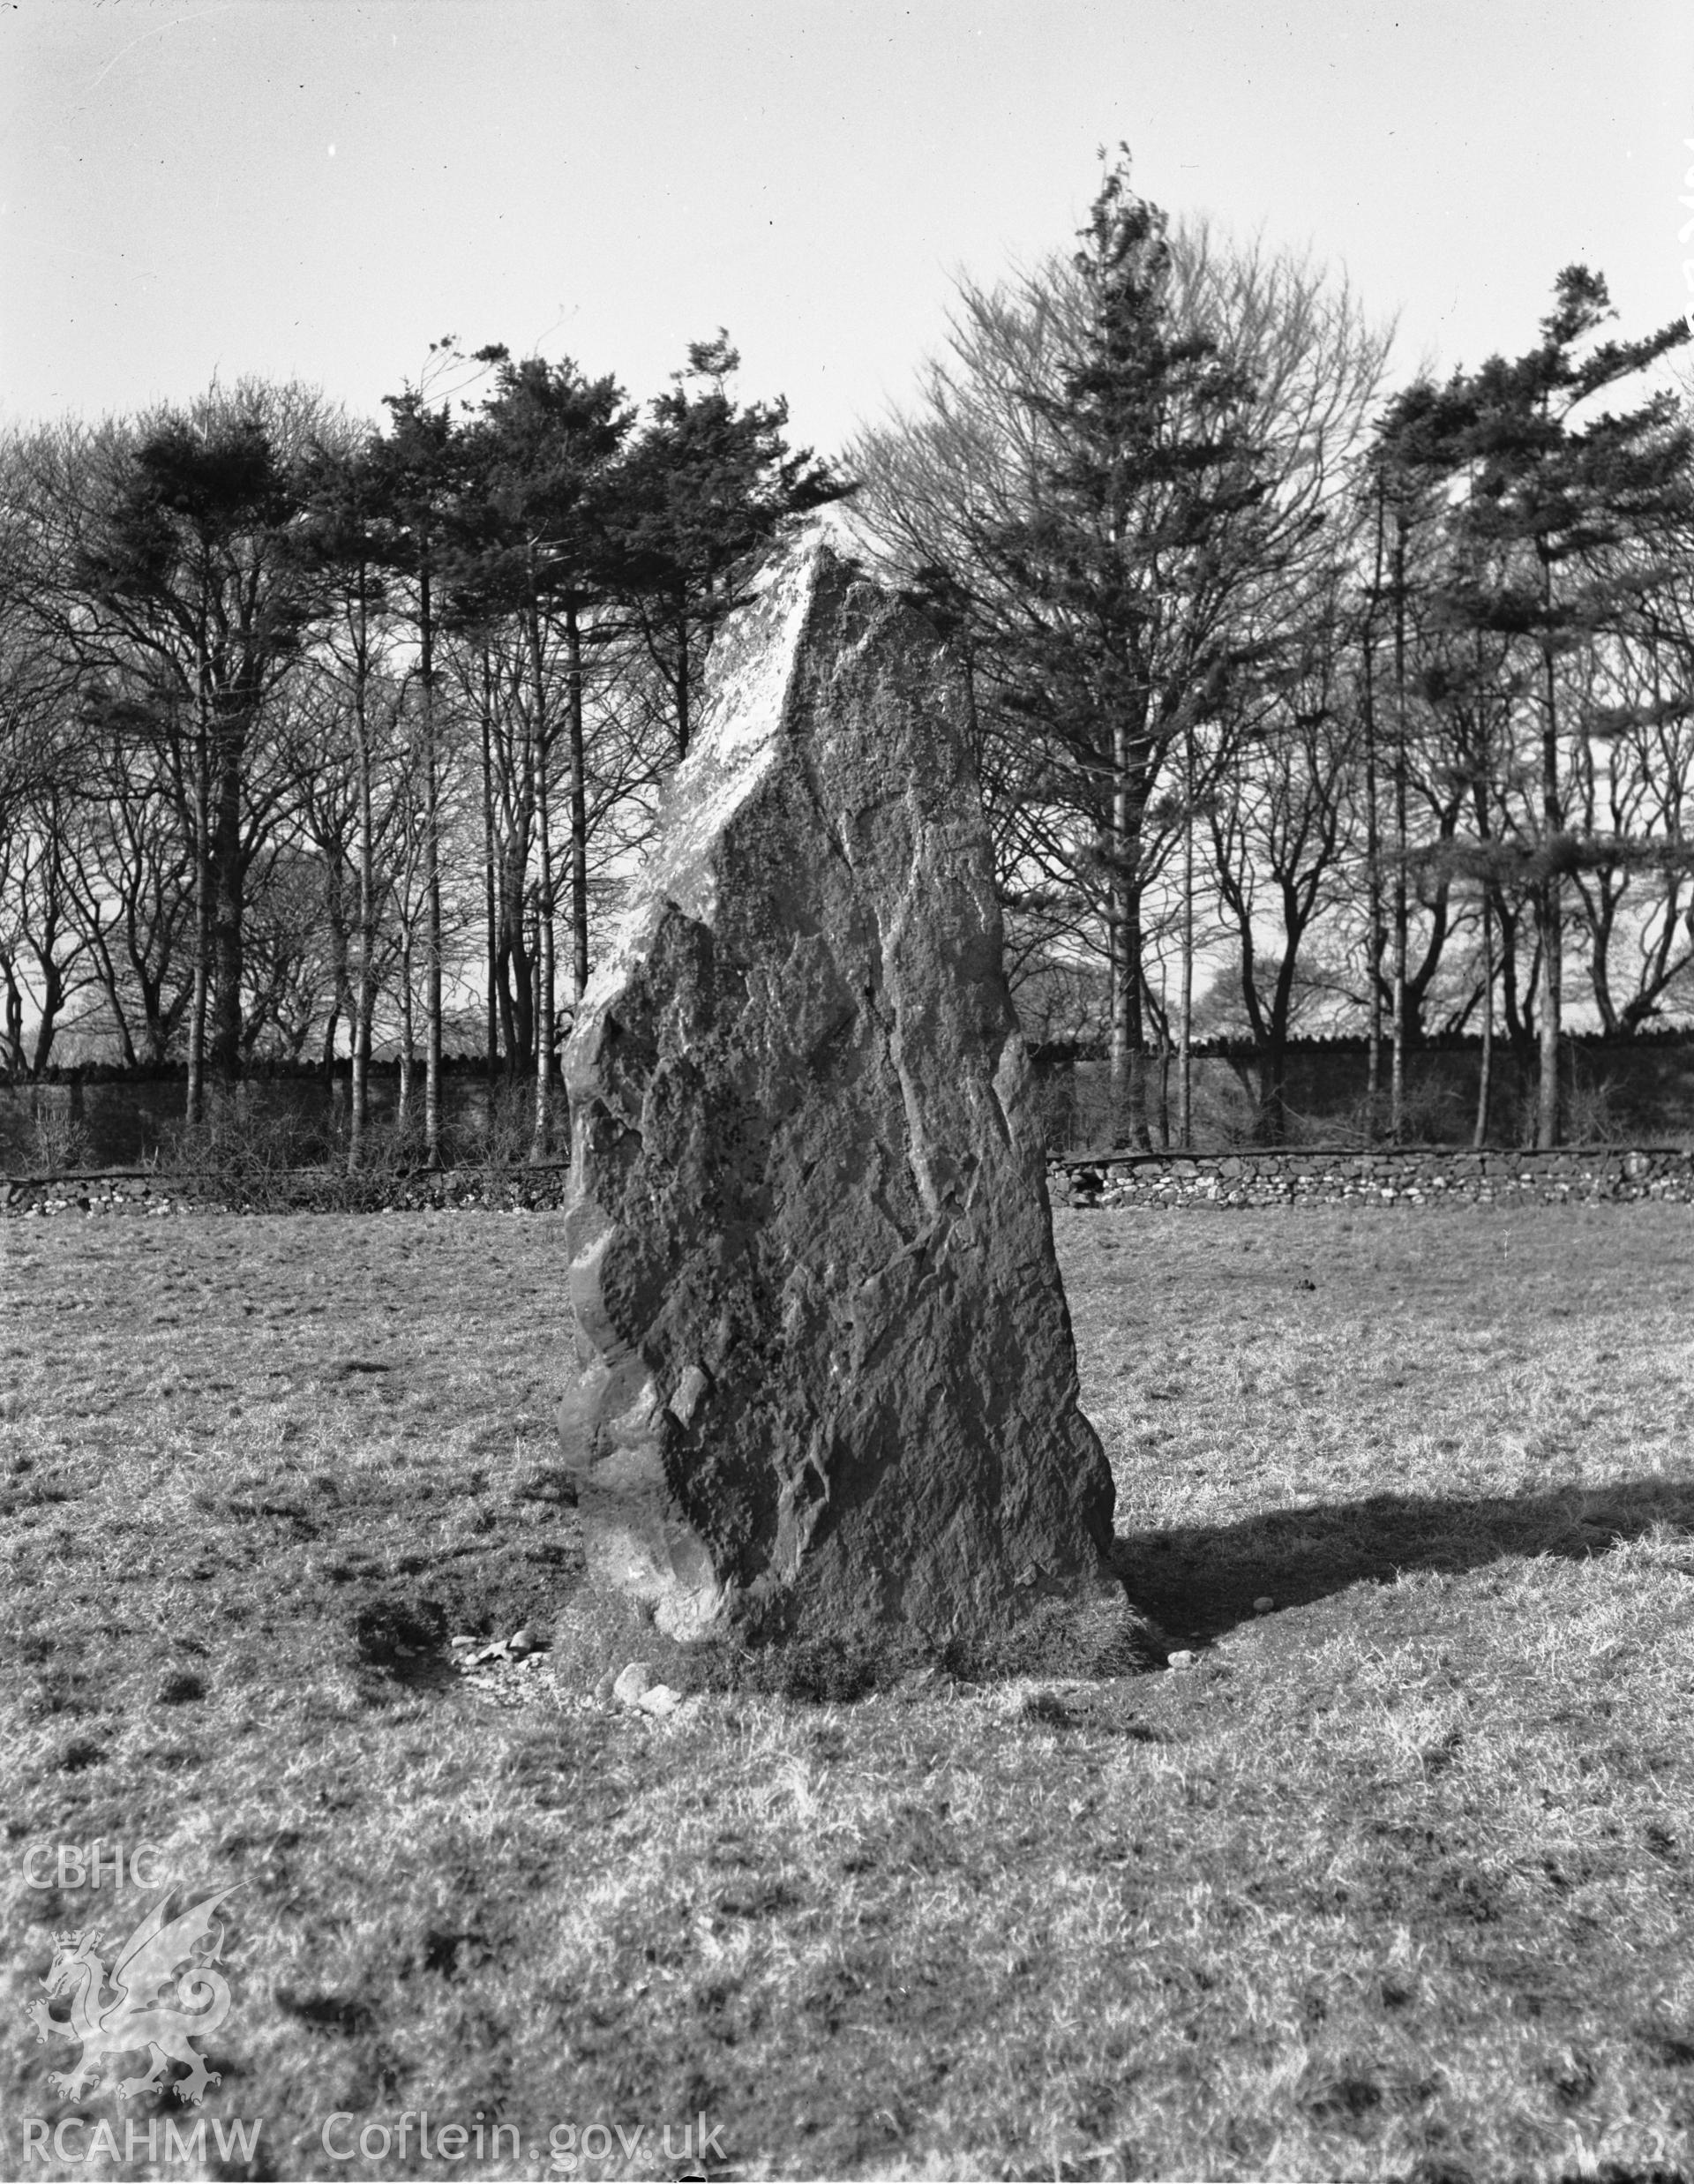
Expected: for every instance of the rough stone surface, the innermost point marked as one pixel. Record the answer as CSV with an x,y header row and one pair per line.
x,y
1431,1176
825,1363
631,1683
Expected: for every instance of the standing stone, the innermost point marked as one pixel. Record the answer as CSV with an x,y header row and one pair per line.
x,y
825,1363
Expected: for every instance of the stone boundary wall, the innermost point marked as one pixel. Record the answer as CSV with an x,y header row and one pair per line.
x,y
130,1193
1408,1176
1414,1176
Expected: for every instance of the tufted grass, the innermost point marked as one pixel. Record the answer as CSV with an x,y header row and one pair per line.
x,y
1397,1881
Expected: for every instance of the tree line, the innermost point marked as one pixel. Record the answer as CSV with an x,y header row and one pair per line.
x,y
1374,704
1300,703
317,731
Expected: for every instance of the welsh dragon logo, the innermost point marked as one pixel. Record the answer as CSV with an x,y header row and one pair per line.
x,y
136,2015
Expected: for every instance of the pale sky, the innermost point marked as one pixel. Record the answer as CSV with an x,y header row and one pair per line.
x,y
191,187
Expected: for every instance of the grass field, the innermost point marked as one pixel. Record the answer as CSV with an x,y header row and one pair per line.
x,y
1397,1882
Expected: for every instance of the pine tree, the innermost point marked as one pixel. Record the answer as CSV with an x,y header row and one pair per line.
x,y
1127,566
1546,506
418,474
343,537
707,483
535,545
192,562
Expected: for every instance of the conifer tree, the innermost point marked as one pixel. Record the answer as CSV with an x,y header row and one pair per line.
x,y
344,537
190,563
418,472
535,544
1126,567
707,483
1547,502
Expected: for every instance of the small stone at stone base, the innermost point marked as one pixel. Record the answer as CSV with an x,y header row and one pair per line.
x,y
463,1642
659,1698
526,1641
1263,1604
636,1678
1181,1660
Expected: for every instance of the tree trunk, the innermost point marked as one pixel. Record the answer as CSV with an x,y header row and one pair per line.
x,y
196,1101
1375,947
1397,1063
1547,1102
489,907
1128,1124
1485,1069
535,981
404,1096
1134,1028
227,908
1549,903
512,1031
545,971
1397,1086
1185,1020
1273,1090
365,997
579,821
155,1031
1118,1049
545,984
342,1000
432,882
46,1022
14,1063
1376,940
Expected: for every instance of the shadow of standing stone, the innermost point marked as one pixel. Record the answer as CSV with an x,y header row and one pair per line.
x,y
827,1379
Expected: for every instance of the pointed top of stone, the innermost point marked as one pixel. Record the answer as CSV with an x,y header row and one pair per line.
x,y
742,731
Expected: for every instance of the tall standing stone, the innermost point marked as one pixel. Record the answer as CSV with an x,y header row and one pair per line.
x,y
825,1363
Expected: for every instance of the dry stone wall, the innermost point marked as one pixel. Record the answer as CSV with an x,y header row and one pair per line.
x,y
133,1192
1613,1176
1410,1177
